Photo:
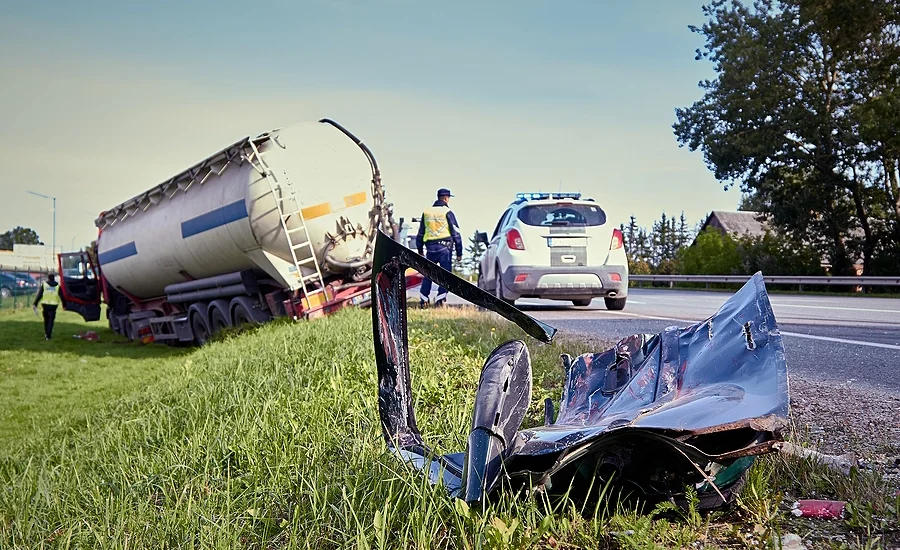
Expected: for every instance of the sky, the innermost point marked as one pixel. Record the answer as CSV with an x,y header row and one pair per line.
x,y
101,100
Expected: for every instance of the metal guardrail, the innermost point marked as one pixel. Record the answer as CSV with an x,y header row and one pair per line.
x,y
770,279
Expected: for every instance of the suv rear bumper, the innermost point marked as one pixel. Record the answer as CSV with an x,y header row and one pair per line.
x,y
565,282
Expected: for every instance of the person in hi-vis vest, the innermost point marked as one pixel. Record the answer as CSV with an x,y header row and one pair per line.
x,y
49,299
438,235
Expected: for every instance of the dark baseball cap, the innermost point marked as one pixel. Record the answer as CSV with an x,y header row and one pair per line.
x,y
444,192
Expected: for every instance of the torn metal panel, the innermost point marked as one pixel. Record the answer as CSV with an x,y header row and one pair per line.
x,y
687,406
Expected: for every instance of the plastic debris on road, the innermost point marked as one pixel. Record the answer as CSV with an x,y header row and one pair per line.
x,y
822,509
841,463
691,405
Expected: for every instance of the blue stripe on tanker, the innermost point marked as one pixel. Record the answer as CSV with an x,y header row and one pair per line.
x,y
214,218
117,253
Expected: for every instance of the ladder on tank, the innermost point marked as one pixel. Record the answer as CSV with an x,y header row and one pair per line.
x,y
294,246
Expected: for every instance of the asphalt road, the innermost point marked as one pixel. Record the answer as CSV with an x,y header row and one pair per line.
x,y
836,339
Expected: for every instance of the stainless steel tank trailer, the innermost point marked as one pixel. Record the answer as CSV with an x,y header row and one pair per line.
x,y
282,224
690,406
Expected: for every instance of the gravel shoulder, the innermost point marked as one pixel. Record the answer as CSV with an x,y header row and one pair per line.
x,y
848,418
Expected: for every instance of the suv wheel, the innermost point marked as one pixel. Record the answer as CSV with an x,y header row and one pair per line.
x,y
498,288
5,292
615,304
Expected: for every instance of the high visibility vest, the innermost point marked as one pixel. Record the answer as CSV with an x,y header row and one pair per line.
x,y
50,295
436,226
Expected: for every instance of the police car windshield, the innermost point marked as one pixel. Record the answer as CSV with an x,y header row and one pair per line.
x,y
562,215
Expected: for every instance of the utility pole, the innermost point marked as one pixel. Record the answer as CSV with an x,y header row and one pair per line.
x,y
53,249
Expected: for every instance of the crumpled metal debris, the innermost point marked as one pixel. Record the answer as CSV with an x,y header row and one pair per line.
x,y
690,406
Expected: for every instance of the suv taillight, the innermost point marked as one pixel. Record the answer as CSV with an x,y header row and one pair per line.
x,y
616,241
514,240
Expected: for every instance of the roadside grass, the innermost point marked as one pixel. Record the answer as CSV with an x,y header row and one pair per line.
x,y
16,302
270,438
61,380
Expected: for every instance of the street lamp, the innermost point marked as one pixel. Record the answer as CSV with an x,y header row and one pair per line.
x,y
52,250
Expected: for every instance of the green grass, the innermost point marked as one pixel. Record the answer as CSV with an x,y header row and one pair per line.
x,y
270,438
43,383
16,302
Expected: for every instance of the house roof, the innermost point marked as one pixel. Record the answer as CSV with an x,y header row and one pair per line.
x,y
736,222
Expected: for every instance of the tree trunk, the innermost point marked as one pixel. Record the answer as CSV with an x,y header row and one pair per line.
x,y
834,230
892,187
869,246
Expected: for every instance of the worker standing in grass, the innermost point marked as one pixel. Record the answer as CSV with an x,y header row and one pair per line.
x,y
438,234
49,299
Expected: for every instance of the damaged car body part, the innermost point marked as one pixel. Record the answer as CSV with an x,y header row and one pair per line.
x,y
650,416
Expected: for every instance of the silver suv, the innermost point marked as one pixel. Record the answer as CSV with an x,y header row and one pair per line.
x,y
556,246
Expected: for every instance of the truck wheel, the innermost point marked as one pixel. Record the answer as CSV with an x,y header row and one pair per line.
x,y
217,321
218,315
245,310
615,304
241,315
199,328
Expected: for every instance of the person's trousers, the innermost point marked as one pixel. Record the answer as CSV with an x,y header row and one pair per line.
x,y
442,256
49,317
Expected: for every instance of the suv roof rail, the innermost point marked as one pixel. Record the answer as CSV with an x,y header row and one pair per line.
x,y
546,196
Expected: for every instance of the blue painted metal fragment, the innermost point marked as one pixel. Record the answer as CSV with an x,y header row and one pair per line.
x,y
653,414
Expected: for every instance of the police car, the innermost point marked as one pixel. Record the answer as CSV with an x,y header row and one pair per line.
x,y
556,246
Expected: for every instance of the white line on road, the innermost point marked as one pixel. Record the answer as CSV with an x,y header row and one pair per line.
x,y
794,334
841,340
777,304
783,304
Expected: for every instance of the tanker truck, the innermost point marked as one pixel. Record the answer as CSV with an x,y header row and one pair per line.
x,y
282,224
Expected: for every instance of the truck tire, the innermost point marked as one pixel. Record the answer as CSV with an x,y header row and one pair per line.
x,y
615,304
245,310
218,315
200,328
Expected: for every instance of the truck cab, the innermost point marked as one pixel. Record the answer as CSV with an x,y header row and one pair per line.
x,y
79,281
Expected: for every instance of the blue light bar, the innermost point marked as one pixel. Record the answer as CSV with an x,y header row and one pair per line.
x,y
546,196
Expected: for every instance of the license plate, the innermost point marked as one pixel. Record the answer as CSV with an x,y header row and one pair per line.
x,y
566,241
356,300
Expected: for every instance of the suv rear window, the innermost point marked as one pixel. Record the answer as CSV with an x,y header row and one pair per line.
x,y
562,215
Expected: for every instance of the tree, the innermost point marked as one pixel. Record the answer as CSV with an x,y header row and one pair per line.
x,y
637,247
776,254
684,233
18,235
473,253
791,116
712,254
